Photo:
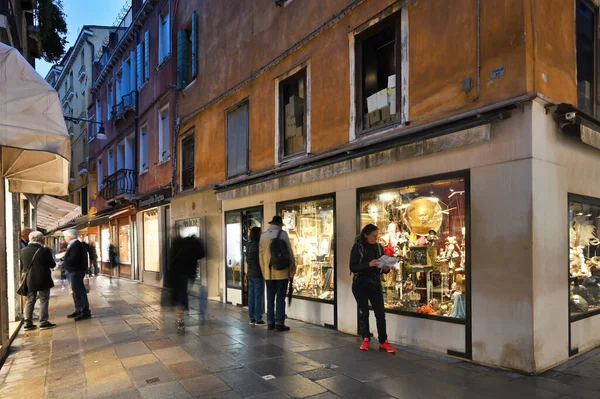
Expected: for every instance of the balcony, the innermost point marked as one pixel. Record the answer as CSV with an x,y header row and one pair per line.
x,y
82,168
119,184
81,73
128,103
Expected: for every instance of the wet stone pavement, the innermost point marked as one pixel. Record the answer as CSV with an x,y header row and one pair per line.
x,y
131,349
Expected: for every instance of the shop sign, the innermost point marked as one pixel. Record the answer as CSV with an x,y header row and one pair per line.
x,y
154,199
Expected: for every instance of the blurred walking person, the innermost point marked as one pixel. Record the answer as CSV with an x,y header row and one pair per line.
x,y
93,260
183,268
113,258
256,283
76,263
37,261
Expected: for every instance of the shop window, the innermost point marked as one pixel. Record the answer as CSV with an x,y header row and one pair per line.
x,y
378,64
144,150
584,256
292,114
151,241
164,35
233,230
187,162
105,239
422,227
237,140
164,134
586,22
311,226
124,245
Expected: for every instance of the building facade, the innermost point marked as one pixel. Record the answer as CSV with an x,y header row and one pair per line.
x,y
134,98
470,142
72,80
18,27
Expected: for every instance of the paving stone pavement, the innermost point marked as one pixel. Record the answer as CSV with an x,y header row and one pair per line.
x,y
131,349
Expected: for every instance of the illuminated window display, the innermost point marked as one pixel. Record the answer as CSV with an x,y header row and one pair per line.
x,y
237,230
105,241
310,226
423,227
124,244
584,256
151,242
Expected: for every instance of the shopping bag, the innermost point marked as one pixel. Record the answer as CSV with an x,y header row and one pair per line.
x,y
22,290
86,283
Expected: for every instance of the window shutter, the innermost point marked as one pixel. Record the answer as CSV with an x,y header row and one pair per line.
x,y
146,56
133,71
237,141
182,57
194,44
140,65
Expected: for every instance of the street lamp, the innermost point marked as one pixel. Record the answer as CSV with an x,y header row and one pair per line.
x,y
100,135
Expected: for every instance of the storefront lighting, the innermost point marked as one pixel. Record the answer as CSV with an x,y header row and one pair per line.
x,y
387,196
451,189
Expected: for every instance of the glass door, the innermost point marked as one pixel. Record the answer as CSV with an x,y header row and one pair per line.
x,y
237,229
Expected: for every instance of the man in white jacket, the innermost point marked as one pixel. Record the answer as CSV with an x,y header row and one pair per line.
x,y
276,280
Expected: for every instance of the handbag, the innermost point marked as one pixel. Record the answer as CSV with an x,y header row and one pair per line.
x,y
86,283
23,290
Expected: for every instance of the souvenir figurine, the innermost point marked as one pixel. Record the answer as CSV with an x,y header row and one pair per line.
x,y
432,238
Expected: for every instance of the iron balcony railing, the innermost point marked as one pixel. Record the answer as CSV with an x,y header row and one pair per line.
x,y
128,102
82,168
81,73
122,182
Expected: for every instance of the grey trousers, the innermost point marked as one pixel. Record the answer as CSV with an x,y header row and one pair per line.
x,y
44,299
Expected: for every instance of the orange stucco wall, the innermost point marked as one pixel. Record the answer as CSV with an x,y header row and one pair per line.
x,y
237,38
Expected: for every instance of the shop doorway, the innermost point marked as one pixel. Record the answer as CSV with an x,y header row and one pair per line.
x,y
237,229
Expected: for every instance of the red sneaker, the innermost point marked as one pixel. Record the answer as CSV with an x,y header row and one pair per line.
x,y
365,344
387,347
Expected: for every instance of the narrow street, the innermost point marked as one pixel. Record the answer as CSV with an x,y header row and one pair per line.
x,y
131,349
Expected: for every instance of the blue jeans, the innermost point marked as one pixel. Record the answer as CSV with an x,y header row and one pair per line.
x,y
276,290
79,295
256,295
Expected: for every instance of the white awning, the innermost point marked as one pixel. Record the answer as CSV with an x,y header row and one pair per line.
x,y
53,213
36,148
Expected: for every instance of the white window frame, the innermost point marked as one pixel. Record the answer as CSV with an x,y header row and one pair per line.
x,y
120,162
162,57
129,161
110,162
183,137
404,68
109,100
143,151
161,150
305,65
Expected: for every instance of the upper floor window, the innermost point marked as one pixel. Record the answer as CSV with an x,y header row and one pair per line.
x,y
82,56
141,61
187,161
119,86
293,108
164,134
187,48
237,140
99,174
378,63
144,149
111,162
586,23
164,35
109,101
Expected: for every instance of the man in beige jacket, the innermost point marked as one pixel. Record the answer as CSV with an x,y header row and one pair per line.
x,y
276,280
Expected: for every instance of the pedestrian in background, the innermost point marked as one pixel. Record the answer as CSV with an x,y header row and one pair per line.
x,y
278,264
183,268
113,258
25,237
76,263
256,283
93,259
37,261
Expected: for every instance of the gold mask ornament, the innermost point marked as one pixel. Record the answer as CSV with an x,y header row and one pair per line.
x,y
423,214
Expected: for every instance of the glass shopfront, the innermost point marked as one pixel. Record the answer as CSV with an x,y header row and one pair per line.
x,y
310,225
151,241
423,227
237,230
584,257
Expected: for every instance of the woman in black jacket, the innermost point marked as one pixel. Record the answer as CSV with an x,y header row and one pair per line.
x,y
366,285
256,283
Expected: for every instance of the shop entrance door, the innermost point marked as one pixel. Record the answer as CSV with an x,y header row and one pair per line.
x,y
237,229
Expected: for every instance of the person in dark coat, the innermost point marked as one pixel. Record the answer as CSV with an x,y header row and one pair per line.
x,y
113,258
256,282
183,267
38,262
366,285
76,263
93,259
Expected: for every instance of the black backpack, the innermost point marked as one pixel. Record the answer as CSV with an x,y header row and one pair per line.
x,y
280,255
